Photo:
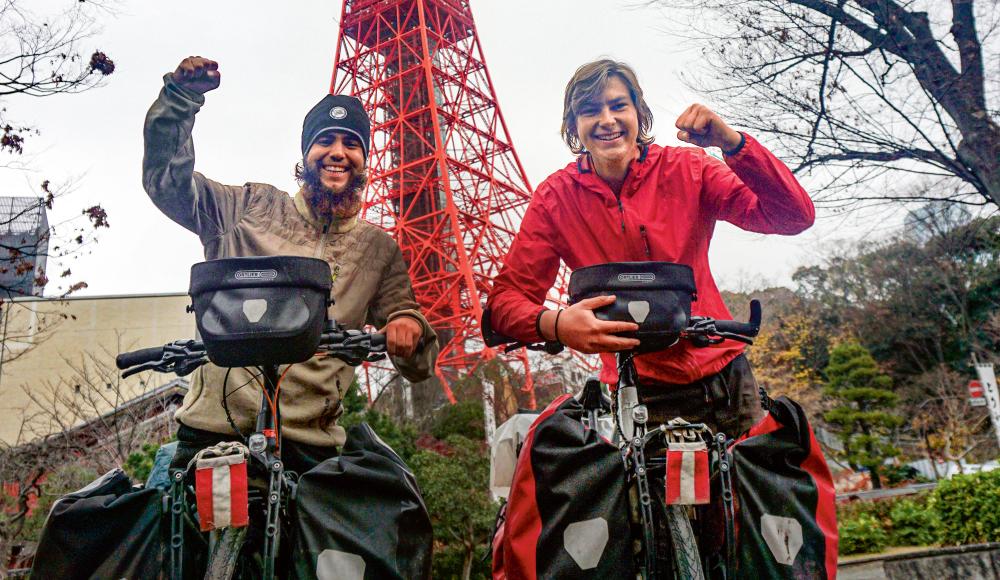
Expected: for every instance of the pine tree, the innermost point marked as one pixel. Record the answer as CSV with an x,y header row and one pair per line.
x,y
864,414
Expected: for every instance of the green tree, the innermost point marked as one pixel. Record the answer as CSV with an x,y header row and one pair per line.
x,y
465,418
453,478
863,415
401,437
792,347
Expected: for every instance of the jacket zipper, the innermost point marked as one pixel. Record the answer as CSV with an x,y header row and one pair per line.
x,y
322,242
621,212
642,229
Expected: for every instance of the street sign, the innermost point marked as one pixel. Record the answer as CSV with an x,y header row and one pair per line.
x,y
977,397
988,379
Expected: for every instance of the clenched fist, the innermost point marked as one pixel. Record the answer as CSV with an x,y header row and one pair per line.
x,y
198,74
700,126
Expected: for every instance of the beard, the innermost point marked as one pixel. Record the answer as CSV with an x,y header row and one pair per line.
x,y
327,203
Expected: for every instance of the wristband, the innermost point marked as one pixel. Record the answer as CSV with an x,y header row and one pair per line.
x,y
738,148
556,326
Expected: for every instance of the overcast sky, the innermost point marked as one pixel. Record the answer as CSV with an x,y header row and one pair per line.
x,y
276,61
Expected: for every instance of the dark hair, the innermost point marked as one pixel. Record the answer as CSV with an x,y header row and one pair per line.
x,y
587,83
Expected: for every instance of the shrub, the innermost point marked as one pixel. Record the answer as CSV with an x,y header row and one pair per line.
x,y
878,509
464,418
139,463
862,534
913,523
65,479
968,507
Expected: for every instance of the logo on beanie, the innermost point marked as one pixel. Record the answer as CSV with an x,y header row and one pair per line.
x,y
338,112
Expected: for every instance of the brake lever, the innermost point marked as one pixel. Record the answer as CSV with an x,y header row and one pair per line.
x,y
549,347
345,355
188,366
146,366
181,368
737,337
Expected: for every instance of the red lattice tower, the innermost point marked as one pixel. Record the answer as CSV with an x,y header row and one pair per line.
x,y
444,178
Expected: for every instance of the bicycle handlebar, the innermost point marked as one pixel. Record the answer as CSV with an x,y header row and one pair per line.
x,y
702,331
182,357
134,358
747,329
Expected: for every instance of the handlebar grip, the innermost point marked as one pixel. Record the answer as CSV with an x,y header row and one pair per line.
x,y
130,359
378,341
749,329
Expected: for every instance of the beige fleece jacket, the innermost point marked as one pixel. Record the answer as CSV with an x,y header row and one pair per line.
x,y
370,280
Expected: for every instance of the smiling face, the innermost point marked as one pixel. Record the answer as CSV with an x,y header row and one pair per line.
x,y
336,157
333,176
608,124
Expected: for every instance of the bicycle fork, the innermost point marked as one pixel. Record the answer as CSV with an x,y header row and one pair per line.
x,y
632,419
263,447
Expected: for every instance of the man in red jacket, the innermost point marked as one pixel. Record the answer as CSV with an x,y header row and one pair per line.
x,y
627,199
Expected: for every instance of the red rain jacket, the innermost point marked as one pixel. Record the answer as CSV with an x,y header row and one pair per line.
x,y
669,203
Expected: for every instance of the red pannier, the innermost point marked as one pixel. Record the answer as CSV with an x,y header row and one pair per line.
x,y
566,516
786,519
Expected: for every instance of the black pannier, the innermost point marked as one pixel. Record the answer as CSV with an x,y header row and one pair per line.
x,y
655,295
106,530
361,515
260,310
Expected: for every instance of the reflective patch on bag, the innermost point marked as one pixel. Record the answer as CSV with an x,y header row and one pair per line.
x,y
254,310
337,565
687,479
783,536
220,485
585,541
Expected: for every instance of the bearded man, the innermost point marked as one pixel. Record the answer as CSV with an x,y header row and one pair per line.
x,y
370,280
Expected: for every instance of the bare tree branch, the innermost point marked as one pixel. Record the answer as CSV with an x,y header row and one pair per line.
x,y
854,91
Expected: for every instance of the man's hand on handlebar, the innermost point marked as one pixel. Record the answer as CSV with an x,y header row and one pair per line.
x,y
198,74
580,330
402,335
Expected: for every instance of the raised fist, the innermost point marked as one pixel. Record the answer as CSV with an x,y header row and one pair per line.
x,y
700,126
198,74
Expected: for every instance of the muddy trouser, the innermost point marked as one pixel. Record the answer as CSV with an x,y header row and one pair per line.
x,y
728,401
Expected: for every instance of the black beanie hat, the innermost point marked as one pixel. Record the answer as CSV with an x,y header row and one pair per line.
x,y
336,112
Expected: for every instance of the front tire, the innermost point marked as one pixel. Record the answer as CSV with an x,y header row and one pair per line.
x,y
686,560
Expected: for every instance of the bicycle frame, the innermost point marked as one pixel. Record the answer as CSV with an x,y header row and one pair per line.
x,y
264,448
182,357
630,420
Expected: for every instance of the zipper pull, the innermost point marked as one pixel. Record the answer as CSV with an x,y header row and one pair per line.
x,y
645,241
621,211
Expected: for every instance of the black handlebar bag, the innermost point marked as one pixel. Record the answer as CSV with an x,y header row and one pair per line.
x,y
567,514
655,295
260,310
108,529
361,516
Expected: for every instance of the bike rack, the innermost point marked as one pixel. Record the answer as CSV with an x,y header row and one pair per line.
x,y
270,458
176,524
